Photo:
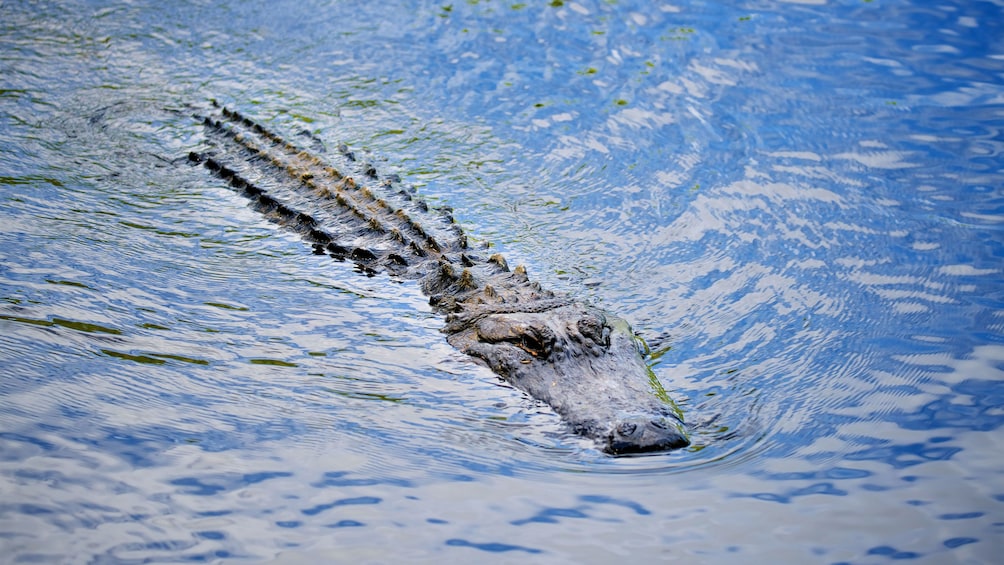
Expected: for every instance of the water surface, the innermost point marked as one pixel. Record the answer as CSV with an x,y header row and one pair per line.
x,y
797,204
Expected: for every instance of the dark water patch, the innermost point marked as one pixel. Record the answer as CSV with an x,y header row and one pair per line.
x,y
893,553
346,524
787,496
31,181
211,535
272,362
227,306
132,357
491,547
85,327
368,396
342,502
551,516
834,473
602,499
981,413
952,543
180,358
70,283
344,479
907,455
961,516
210,485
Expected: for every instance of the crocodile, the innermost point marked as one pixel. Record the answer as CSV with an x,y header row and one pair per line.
x,y
585,363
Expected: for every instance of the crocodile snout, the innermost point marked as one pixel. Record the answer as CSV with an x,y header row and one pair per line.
x,y
641,434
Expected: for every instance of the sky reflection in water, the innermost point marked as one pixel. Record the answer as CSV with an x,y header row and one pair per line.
x,y
797,205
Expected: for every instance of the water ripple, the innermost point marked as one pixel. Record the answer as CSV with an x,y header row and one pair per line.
x,y
796,204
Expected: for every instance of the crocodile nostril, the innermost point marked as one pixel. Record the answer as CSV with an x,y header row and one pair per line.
x,y
644,434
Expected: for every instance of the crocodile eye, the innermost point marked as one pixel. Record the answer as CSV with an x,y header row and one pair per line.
x,y
536,341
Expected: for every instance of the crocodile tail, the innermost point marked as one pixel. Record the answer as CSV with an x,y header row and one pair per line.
x,y
329,208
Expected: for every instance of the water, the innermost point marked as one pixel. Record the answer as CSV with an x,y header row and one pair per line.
x,y
798,205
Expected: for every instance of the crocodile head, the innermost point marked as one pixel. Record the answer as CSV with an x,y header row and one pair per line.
x,y
588,366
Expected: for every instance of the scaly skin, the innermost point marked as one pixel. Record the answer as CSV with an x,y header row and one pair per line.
x,y
585,363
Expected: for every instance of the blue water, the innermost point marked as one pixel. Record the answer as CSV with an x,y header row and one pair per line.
x,y
799,205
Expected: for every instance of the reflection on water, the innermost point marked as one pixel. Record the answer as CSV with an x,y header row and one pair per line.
x,y
797,205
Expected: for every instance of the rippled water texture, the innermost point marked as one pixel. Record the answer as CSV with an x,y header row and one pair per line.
x,y
798,204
